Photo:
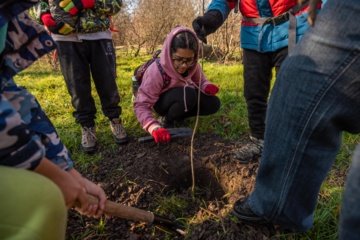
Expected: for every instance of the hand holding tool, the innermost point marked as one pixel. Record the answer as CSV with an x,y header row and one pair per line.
x,y
136,214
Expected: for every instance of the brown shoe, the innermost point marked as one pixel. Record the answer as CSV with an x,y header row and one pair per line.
x,y
250,151
88,139
118,131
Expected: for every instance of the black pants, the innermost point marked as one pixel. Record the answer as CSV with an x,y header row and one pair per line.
x,y
257,79
81,60
172,104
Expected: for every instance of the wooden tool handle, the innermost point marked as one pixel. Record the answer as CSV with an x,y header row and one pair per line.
x,y
122,211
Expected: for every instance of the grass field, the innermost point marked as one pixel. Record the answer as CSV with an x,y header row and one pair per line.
x,y
231,122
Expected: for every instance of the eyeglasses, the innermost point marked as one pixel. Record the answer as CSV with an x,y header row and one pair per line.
x,y
179,62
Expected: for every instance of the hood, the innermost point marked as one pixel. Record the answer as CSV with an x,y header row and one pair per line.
x,y
165,57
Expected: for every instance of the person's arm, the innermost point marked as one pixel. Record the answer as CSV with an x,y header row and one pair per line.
x,y
38,10
224,6
147,96
215,16
55,27
74,187
106,7
69,186
313,7
41,14
92,189
205,86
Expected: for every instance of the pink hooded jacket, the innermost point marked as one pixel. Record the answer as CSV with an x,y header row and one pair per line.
x,y
152,82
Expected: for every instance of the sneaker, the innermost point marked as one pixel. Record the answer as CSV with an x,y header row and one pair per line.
x,y
250,151
243,211
165,122
88,139
118,131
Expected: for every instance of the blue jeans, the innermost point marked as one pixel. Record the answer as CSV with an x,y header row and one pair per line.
x,y
315,98
350,210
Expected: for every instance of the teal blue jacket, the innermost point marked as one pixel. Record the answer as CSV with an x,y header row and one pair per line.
x,y
264,37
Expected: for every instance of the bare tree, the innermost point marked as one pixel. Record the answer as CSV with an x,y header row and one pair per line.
x,y
144,25
157,18
227,37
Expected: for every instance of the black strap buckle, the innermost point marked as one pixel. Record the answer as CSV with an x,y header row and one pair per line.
x,y
278,19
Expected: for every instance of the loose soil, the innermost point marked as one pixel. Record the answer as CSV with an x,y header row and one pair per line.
x,y
141,175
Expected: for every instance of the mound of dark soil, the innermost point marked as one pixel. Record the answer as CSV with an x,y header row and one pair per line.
x,y
136,175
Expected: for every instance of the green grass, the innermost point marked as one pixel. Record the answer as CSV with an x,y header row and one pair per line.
x,y
231,122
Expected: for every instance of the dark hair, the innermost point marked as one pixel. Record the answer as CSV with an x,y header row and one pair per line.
x,y
184,40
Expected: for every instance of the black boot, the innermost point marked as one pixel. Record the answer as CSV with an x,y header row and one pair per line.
x,y
243,211
165,122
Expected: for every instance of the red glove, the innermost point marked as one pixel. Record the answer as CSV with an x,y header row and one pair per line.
x,y
55,27
211,89
161,135
74,6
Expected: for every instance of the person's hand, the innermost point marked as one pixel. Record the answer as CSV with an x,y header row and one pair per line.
x,y
211,89
74,188
95,210
75,6
55,27
70,187
313,6
161,135
207,24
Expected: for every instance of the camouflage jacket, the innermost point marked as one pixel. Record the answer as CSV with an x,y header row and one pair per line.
x,y
26,41
89,20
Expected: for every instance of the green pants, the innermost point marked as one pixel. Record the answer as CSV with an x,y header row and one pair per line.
x,y
31,206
